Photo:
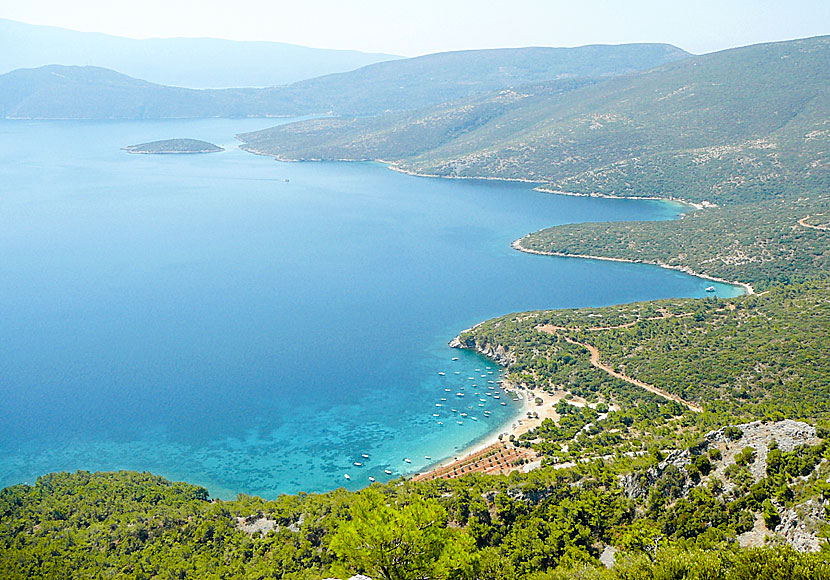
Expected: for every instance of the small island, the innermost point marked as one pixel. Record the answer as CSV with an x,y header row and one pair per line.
x,y
171,146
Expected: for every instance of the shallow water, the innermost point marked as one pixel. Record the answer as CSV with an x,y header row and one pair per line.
x,y
255,326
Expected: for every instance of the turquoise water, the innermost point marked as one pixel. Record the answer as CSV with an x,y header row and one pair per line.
x,y
254,326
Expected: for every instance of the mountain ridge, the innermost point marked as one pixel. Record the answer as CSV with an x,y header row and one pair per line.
x,y
180,62
391,86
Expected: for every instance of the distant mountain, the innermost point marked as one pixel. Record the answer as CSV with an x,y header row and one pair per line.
x,y
181,62
414,83
93,92
73,92
725,127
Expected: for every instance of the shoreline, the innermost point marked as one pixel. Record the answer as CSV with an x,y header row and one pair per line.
x,y
515,427
541,187
517,245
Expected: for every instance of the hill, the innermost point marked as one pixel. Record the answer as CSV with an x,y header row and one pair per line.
x,y
61,92
419,82
684,129
181,62
70,92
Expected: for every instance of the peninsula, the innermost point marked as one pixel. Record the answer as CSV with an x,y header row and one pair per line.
x,y
174,146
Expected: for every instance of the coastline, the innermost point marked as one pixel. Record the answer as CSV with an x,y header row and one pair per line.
x,y
519,423
394,166
517,245
515,427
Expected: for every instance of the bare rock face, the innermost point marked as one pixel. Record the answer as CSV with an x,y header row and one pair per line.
x,y
800,525
254,524
788,434
495,352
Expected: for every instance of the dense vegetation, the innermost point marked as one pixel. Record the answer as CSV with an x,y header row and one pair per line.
x,y
754,357
759,243
550,523
680,130
73,92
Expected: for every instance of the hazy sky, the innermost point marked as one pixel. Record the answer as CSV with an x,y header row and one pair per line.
x,y
413,27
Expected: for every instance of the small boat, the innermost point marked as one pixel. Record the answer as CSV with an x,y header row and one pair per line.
x,y
460,422
440,422
458,372
460,394
503,403
407,459
483,400
427,457
443,398
442,374
435,415
463,414
454,410
346,475
358,464
387,471
372,479
365,456
481,404
710,289
438,405
455,358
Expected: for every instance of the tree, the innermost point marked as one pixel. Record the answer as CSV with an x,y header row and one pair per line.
x,y
402,540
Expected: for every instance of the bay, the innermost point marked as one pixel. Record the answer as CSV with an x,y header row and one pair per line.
x,y
255,326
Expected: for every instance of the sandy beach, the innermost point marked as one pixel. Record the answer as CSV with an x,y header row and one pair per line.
x,y
498,456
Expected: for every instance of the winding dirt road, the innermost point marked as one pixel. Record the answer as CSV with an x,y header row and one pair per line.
x,y
597,362
803,222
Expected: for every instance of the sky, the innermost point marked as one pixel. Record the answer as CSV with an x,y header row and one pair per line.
x,y
414,27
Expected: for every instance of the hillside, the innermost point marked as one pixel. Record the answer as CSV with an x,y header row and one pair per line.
x,y
180,62
414,83
61,92
757,243
680,130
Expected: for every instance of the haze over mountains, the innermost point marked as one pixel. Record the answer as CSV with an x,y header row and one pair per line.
x,y
181,62
97,93
682,129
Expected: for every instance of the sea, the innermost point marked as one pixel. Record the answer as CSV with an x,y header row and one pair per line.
x,y
262,327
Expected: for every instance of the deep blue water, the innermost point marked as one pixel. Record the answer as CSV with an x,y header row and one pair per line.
x,y
255,326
